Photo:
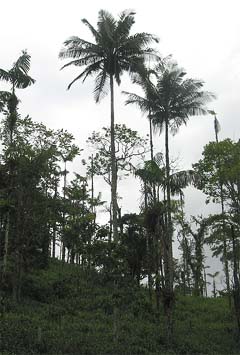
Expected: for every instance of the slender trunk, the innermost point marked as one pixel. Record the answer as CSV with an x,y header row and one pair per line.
x,y
54,222
236,289
184,242
205,282
214,288
92,187
169,256
64,200
6,241
149,268
7,228
153,185
113,167
225,261
110,224
151,137
169,219
157,275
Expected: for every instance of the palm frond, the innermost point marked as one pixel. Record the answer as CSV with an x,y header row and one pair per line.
x,y
124,24
141,102
90,59
92,29
5,76
20,79
106,25
100,90
23,62
91,69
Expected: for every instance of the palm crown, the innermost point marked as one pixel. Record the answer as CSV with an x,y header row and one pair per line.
x,y
18,74
177,98
113,52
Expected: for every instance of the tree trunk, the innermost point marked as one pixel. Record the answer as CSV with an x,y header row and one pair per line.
x,y
113,167
5,257
151,137
54,222
64,199
236,290
225,261
169,257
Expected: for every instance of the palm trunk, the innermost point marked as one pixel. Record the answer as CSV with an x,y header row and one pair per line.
x,y
152,157
55,222
64,199
169,256
113,167
226,269
6,241
151,137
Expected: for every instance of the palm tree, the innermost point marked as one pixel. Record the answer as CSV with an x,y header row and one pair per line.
x,y
18,77
225,261
173,100
113,52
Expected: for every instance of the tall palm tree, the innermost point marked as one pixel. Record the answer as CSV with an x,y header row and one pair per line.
x,y
18,78
225,260
113,52
173,100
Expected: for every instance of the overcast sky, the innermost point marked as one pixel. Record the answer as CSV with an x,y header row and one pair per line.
x,y
202,36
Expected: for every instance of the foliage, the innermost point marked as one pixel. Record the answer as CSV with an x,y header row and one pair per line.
x,y
79,320
129,146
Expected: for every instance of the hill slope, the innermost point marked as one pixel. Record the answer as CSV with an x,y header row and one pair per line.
x,y
66,310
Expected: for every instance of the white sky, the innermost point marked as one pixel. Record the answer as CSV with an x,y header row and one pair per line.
x,y
203,36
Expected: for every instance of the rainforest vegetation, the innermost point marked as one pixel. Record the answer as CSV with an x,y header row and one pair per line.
x,y
72,285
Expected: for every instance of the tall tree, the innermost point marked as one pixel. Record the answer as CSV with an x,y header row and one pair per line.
x,y
226,266
173,99
18,78
113,52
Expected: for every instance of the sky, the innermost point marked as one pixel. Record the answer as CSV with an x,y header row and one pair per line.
x,y
202,36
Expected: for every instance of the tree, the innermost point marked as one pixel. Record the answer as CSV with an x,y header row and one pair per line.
x,y
133,242
219,179
18,78
217,129
175,100
129,147
114,52
172,101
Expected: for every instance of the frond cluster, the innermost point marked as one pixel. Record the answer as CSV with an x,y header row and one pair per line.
x,y
113,51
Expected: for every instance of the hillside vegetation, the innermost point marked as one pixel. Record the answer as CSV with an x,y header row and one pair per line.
x,y
65,310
